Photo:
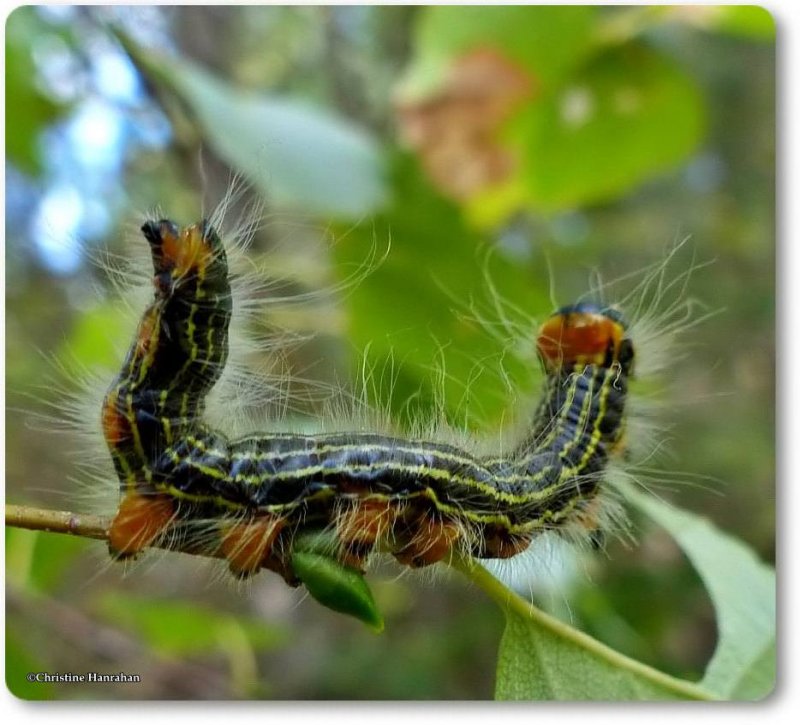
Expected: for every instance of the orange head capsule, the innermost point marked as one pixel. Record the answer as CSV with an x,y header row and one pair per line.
x,y
583,334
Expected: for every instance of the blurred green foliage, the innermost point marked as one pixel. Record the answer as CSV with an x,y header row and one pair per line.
x,y
29,111
316,162
639,125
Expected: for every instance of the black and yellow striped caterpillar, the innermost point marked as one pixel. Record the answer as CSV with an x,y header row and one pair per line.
x,y
415,499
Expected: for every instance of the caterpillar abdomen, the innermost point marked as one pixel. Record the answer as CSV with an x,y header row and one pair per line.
x,y
249,498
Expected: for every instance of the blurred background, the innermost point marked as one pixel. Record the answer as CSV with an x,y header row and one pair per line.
x,y
522,147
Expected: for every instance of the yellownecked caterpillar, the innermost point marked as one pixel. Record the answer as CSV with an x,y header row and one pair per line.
x,y
416,499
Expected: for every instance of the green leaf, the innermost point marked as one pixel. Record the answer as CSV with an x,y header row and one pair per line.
x,y
296,154
548,41
625,117
747,21
750,22
606,113
185,628
742,589
337,587
541,658
536,663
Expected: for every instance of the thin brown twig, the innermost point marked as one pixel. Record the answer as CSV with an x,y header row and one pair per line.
x,y
87,526
60,522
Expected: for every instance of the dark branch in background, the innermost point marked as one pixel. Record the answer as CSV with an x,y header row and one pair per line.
x,y
162,676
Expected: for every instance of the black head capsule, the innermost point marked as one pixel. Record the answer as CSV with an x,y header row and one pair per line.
x,y
593,308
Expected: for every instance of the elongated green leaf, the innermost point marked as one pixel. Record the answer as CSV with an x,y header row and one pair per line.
x,y
742,589
295,153
333,584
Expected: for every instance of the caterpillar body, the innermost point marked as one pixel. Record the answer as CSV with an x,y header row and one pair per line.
x,y
248,499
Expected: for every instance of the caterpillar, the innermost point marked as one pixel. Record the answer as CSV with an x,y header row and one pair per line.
x,y
249,498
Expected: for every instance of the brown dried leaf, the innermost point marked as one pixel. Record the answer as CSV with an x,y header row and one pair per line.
x,y
454,131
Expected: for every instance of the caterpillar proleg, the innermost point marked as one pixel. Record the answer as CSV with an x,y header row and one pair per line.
x,y
250,498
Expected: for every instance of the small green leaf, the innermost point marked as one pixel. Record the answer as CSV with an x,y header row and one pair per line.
x,y
295,153
337,587
742,589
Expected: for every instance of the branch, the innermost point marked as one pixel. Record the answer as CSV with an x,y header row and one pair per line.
x,y
59,522
86,526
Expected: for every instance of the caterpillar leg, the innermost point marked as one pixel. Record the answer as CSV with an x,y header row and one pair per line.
x,y
429,539
498,543
588,518
140,520
246,545
360,526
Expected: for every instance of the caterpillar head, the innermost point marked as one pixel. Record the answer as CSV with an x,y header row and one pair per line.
x,y
184,254
585,334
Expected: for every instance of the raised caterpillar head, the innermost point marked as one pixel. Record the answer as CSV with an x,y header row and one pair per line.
x,y
585,333
183,254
